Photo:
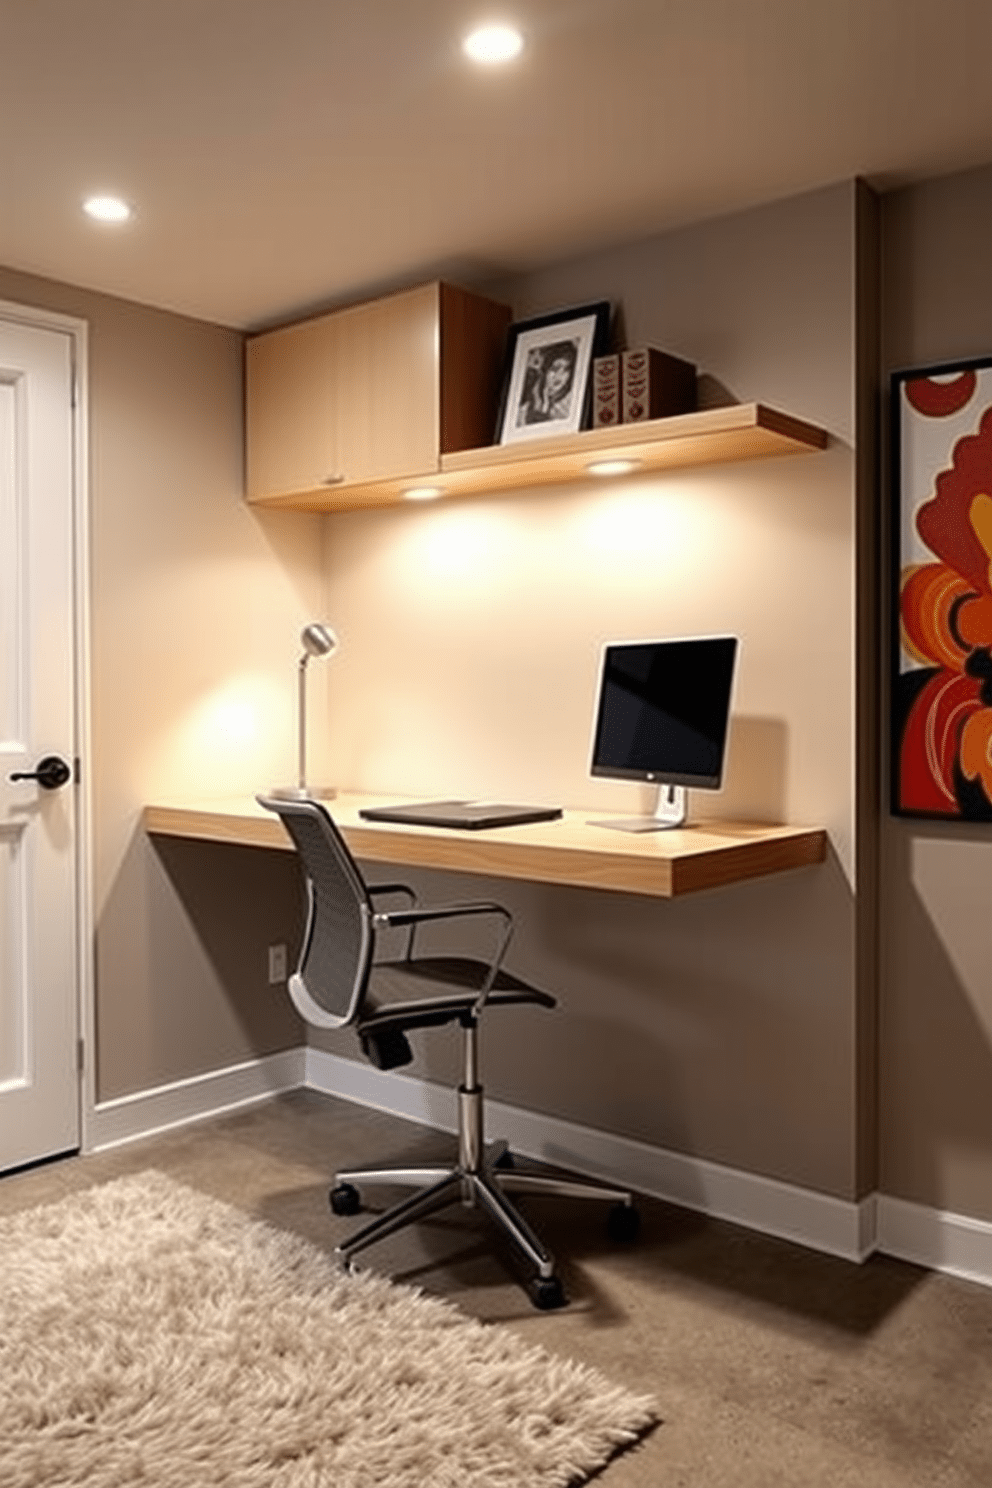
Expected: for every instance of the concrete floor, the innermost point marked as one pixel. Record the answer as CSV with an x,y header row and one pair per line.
x,y
771,1365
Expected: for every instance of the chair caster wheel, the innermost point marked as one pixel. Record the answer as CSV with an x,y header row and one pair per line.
x,y
623,1222
345,1199
546,1293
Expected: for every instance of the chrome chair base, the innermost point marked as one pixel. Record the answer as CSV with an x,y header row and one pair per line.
x,y
482,1178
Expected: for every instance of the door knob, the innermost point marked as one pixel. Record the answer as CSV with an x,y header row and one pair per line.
x,y
52,772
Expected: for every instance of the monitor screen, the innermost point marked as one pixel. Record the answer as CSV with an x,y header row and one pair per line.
x,y
664,709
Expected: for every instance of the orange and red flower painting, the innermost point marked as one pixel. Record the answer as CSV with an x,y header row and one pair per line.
x,y
942,694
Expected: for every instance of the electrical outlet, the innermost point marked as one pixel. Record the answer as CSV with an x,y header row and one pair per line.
x,y
277,964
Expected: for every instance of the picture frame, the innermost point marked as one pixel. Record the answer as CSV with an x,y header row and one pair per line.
x,y
547,375
941,664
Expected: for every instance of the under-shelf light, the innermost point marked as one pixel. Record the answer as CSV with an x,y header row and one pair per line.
x,y
422,493
612,467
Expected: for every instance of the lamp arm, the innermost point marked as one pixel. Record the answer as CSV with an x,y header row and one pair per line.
x,y
302,714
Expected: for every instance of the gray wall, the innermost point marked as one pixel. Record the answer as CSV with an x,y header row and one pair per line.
x,y
935,1073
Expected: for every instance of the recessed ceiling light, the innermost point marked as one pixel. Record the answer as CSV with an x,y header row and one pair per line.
x,y
422,493
106,209
493,43
612,467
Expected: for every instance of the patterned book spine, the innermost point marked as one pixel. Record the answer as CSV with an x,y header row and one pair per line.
x,y
656,385
606,391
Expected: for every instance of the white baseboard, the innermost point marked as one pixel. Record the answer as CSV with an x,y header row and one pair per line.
x,y
935,1239
953,1243
824,1223
149,1112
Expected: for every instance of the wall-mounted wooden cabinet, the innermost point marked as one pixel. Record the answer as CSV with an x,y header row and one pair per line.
x,y
375,392
352,409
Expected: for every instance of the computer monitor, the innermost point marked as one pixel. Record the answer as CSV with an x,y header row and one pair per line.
x,y
662,717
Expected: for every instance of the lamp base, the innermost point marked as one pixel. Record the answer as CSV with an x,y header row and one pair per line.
x,y
303,792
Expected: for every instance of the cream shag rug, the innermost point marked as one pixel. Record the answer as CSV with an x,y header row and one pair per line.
x,y
155,1337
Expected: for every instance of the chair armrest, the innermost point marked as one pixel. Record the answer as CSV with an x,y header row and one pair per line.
x,y
415,917
440,912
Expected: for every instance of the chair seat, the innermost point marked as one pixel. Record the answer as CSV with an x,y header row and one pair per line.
x,y
382,1005
388,1015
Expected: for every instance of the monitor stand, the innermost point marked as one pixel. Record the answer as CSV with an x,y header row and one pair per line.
x,y
669,812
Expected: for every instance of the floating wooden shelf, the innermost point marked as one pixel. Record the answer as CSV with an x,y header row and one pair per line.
x,y
742,431
575,850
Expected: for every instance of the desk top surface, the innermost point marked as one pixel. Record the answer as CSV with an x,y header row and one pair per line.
x,y
574,850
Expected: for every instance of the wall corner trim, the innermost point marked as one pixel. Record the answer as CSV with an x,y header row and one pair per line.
x,y
953,1243
147,1113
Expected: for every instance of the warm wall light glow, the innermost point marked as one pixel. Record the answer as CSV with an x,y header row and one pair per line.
x,y
493,43
612,467
106,209
422,493
234,721
639,522
225,741
458,547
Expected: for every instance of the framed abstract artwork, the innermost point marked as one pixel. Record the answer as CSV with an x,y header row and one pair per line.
x,y
942,664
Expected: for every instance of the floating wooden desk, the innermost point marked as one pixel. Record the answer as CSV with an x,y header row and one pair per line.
x,y
568,851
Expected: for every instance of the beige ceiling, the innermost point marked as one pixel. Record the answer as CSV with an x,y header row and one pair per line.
x,y
289,154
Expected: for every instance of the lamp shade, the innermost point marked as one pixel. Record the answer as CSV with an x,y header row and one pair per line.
x,y
318,640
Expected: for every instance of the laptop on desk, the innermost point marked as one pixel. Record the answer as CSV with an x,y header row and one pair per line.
x,y
471,815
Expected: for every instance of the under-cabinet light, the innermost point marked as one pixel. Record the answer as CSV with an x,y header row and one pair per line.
x,y
422,493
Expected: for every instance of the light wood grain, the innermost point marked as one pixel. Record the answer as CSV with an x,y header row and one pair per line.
x,y
386,406
371,394
348,397
744,431
574,851
290,378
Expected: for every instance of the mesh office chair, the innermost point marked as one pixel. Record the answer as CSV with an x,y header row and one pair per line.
x,y
340,983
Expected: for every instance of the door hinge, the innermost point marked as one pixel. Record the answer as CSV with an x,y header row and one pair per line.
x,y
77,770
81,1055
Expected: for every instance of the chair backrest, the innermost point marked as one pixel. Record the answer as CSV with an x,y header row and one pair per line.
x,y
330,980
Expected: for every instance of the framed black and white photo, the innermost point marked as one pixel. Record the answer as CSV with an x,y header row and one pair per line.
x,y
548,365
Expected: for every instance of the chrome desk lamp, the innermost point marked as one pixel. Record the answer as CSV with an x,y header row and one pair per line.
x,y
318,640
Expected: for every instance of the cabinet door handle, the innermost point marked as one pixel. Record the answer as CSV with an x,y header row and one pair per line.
x,y
334,479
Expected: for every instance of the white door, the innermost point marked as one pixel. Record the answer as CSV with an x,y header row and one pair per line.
x,y
39,1003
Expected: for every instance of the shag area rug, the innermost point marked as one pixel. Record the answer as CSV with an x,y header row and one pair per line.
x,y
152,1336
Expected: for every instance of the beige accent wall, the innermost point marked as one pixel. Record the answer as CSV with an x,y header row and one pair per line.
x,y
196,609
727,1025
936,1002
